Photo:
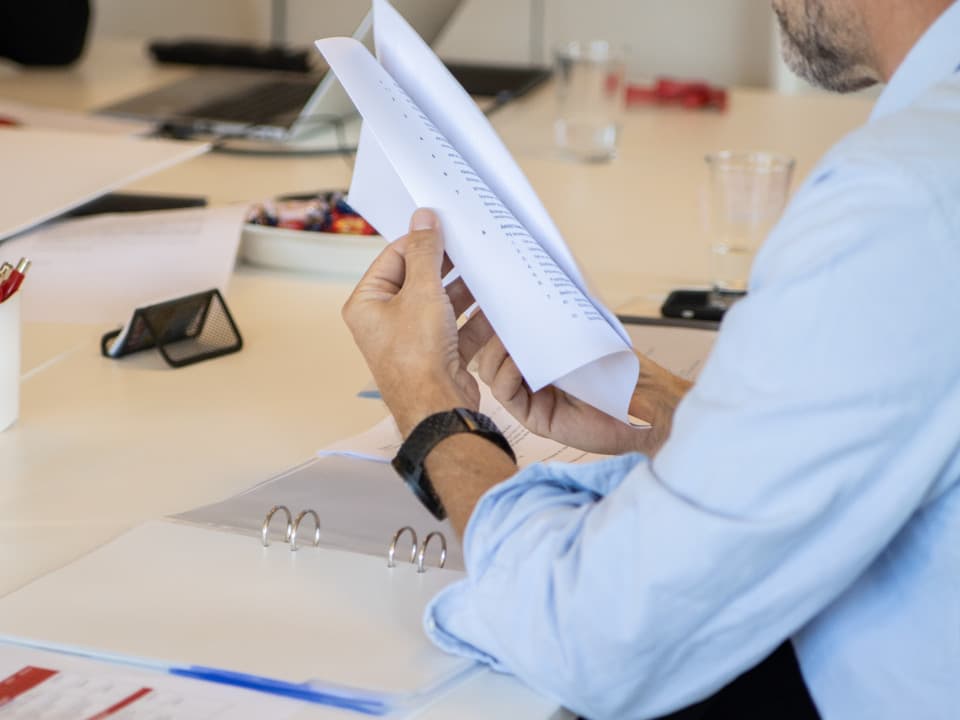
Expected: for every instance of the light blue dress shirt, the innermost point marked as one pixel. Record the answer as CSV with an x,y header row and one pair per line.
x,y
809,488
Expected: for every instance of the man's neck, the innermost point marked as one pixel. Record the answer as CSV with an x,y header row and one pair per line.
x,y
895,26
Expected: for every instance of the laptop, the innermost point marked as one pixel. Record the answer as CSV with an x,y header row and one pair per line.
x,y
268,105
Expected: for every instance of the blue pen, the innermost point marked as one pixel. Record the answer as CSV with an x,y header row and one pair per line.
x,y
295,691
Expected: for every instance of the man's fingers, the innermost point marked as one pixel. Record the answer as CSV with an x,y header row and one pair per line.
x,y
382,280
474,334
498,370
490,359
460,296
423,249
509,388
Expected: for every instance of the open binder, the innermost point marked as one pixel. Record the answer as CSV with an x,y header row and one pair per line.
x,y
322,625
328,624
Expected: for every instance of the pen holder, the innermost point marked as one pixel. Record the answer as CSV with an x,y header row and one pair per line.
x,y
185,330
9,361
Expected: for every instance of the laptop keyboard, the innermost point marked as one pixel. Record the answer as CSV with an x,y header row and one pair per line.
x,y
259,104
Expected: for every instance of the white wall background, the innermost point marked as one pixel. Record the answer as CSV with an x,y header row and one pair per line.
x,y
723,41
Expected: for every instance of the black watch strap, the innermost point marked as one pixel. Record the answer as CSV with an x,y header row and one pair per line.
x,y
409,461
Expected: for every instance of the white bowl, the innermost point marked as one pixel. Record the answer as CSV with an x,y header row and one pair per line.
x,y
336,254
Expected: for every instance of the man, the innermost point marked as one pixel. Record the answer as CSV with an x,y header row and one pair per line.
x,y
808,488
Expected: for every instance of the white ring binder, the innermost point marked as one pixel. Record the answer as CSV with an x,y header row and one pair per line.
x,y
265,530
296,528
391,551
423,550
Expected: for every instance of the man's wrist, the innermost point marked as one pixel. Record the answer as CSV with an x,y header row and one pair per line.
x,y
432,432
416,407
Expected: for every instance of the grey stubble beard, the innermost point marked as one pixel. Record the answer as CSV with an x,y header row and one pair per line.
x,y
829,55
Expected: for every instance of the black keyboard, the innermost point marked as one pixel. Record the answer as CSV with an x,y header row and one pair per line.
x,y
259,104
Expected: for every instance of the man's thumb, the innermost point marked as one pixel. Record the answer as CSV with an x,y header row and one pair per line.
x,y
423,219
423,252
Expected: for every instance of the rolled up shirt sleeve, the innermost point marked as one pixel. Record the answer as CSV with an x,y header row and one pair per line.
x,y
631,587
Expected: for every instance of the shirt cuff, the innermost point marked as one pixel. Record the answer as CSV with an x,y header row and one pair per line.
x,y
449,620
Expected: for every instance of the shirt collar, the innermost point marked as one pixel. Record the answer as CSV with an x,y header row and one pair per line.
x,y
936,55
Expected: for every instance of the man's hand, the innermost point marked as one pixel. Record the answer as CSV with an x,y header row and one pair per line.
x,y
552,413
404,323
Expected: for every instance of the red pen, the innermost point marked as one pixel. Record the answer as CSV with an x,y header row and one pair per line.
x,y
9,286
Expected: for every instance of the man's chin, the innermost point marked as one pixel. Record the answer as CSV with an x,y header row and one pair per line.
x,y
845,83
827,76
855,85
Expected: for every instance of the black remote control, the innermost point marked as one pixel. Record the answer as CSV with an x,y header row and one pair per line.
x,y
229,54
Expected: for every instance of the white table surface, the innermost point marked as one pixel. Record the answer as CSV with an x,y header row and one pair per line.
x,y
102,446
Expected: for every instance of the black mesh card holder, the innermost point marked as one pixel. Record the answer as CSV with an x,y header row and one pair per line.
x,y
185,330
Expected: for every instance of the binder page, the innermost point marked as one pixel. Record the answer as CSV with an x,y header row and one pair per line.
x,y
193,597
560,336
38,684
361,504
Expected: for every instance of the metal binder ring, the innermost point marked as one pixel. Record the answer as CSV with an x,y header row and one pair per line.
x,y
393,545
265,530
423,550
296,528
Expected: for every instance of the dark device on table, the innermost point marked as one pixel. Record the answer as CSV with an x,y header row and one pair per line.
x,y
226,53
699,304
120,202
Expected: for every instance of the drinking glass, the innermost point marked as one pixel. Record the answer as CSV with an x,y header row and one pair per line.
x,y
746,196
590,98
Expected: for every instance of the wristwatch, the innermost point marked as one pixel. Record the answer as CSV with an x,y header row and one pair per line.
x,y
425,436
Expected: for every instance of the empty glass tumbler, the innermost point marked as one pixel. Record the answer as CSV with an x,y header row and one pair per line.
x,y
746,196
590,98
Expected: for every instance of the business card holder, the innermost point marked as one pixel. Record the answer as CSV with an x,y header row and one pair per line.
x,y
185,330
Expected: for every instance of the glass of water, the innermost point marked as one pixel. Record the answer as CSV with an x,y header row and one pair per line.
x,y
590,98
746,196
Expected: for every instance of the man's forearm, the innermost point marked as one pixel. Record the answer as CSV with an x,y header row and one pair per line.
x,y
462,468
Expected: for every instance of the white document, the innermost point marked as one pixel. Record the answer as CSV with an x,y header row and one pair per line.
x,y
381,442
680,349
47,172
42,685
425,144
100,268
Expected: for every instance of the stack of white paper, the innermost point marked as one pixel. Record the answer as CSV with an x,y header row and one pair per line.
x,y
425,144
